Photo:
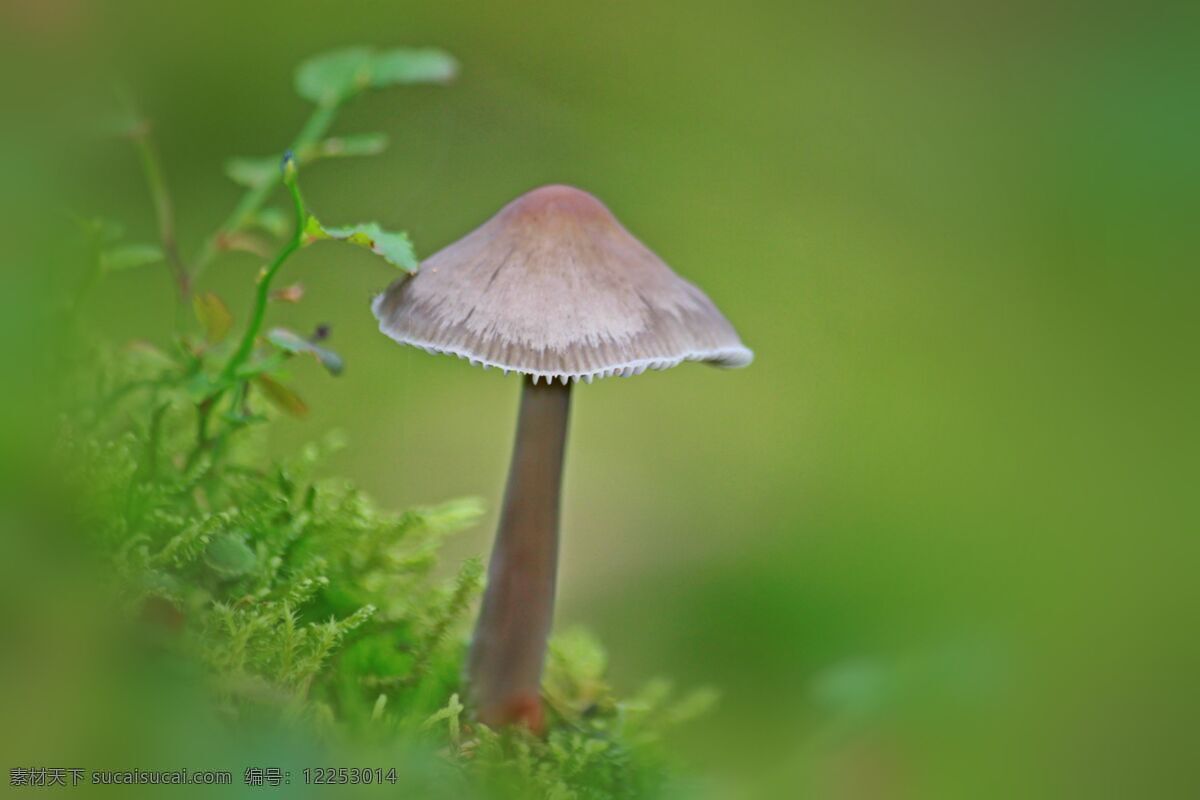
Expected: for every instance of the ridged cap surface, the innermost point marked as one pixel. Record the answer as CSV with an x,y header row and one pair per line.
x,y
554,286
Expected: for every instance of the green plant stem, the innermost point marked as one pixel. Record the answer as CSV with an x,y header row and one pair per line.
x,y
263,294
314,129
228,377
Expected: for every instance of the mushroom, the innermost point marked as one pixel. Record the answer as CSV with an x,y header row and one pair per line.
x,y
552,287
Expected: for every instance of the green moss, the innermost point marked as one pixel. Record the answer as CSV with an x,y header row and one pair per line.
x,y
308,606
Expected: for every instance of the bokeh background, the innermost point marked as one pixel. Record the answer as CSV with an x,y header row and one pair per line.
x,y
939,540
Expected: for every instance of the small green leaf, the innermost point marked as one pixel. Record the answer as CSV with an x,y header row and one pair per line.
x,y
213,315
272,220
230,556
252,172
404,65
199,387
358,144
281,396
128,256
334,77
291,342
395,248
313,231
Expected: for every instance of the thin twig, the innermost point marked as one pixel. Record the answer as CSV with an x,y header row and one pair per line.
x,y
164,209
139,132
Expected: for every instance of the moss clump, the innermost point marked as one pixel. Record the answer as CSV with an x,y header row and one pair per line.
x,y
309,609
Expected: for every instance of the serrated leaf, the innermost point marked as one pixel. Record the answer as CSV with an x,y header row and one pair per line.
x,y
230,556
291,342
357,144
213,315
281,396
394,248
128,256
335,77
252,172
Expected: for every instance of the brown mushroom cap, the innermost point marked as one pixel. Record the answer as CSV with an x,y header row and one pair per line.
x,y
555,287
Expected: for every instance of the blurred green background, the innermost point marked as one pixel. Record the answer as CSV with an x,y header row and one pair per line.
x,y
939,539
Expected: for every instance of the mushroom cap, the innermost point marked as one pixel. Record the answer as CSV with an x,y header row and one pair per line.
x,y
553,286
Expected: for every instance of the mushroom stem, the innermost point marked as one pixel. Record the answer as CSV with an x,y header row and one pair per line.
x,y
509,648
